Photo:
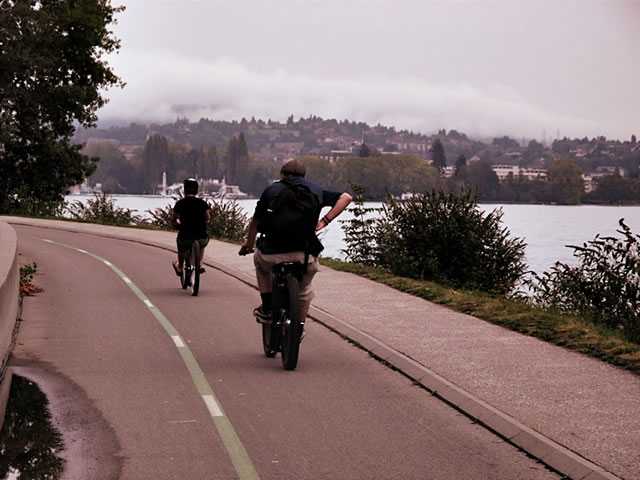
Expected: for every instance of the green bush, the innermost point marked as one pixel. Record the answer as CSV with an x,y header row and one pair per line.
x,y
228,221
359,232
444,237
604,286
103,209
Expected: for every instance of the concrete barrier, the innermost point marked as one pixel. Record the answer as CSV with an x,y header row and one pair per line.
x,y
9,304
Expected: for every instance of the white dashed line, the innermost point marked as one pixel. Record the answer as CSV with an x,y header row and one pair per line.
x,y
212,406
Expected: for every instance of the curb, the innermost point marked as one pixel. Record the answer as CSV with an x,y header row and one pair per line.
x,y
554,455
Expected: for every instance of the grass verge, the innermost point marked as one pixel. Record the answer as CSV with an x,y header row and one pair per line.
x,y
564,330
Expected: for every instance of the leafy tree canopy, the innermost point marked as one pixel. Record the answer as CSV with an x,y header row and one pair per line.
x,y
51,78
439,157
565,180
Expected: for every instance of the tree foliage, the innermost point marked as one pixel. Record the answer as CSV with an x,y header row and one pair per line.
x,y
155,161
604,285
51,79
439,157
360,235
442,237
236,160
115,173
565,181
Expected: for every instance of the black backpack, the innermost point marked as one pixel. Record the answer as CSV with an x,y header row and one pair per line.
x,y
291,219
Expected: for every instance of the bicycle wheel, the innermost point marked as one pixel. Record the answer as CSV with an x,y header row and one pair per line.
x,y
195,263
271,333
291,327
184,278
270,336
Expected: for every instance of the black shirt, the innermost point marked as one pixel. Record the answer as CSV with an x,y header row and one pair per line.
x,y
193,219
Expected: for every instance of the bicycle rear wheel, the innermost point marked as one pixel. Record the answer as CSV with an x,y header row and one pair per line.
x,y
291,326
271,333
195,263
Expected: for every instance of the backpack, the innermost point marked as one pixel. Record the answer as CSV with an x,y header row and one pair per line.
x,y
291,219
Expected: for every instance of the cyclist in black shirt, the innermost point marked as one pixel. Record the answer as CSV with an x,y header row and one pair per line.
x,y
190,215
270,253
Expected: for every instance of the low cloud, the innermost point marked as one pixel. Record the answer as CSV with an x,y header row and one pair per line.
x,y
167,87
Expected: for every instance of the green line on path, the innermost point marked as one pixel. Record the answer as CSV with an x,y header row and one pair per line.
x,y
238,454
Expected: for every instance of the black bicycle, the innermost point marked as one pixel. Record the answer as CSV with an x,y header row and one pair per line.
x,y
191,269
285,330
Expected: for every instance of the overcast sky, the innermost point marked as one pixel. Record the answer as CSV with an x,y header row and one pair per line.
x,y
486,68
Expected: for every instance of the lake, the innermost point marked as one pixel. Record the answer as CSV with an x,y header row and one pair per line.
x,y
546,229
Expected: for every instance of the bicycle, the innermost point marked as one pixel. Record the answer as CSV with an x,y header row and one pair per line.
x,y
285,331
191,269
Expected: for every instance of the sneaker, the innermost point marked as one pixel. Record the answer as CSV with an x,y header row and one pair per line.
x,y
261,315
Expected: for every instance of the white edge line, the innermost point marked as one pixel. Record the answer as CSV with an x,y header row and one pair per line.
x,y
82,251
107,262
212,406
178,341
126,280
148,303
47,240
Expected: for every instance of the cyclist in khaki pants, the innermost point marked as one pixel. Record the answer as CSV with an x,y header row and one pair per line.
x,y
271,252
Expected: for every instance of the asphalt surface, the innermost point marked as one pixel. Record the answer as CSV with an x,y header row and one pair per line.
x,y
574,413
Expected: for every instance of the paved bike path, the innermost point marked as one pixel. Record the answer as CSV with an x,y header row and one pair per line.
x,y
576,414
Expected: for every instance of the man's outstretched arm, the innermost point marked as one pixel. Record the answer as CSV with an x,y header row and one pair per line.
x,y
343,201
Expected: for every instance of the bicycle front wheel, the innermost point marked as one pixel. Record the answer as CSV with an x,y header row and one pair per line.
x,y
291,326
184,278
270,339
195,263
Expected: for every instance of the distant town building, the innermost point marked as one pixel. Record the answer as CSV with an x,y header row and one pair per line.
x,y
503,171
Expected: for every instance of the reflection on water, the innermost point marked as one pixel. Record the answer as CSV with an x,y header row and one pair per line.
x,y
28,441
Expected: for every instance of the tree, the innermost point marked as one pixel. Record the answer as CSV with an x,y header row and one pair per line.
x,y
364,151
51,79
533,152
437,152
114,172
565,181
155,161
480,175
613,189
236,160
461,166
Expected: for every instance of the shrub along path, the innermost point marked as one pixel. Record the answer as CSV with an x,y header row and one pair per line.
x,y
548,400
